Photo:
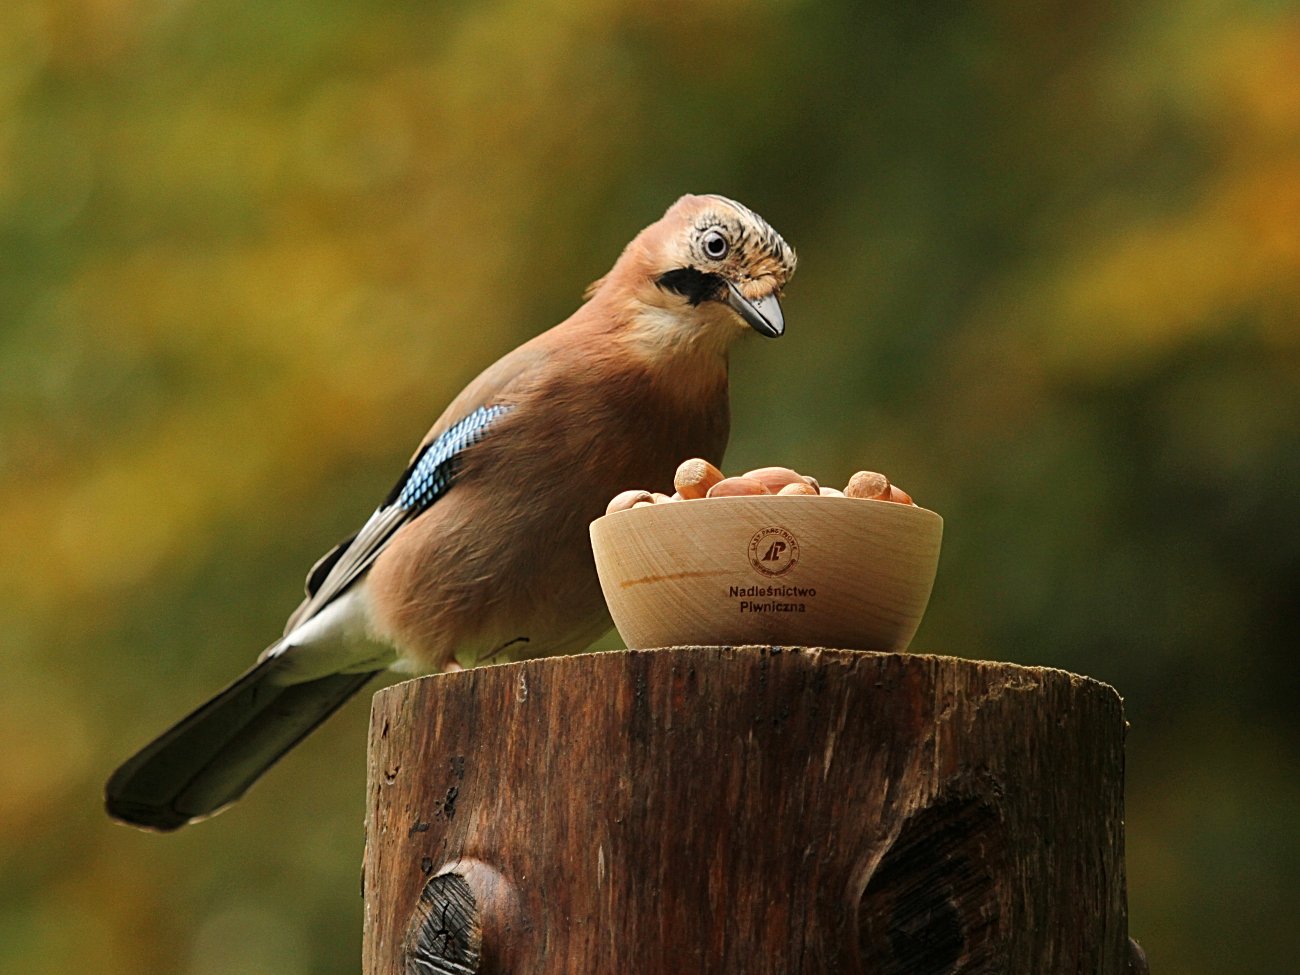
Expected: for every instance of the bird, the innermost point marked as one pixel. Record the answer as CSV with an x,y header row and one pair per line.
x,y
480,552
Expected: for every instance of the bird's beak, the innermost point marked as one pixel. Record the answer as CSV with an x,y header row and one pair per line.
x,y
763,315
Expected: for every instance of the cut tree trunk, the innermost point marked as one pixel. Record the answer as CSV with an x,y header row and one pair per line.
x,y
746,810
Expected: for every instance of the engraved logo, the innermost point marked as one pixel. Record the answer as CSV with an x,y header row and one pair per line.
x,y
773,551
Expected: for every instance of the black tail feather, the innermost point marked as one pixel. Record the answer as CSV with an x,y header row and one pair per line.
x,y
208,759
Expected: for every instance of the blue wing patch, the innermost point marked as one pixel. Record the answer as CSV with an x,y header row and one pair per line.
x,y
427,479
434,470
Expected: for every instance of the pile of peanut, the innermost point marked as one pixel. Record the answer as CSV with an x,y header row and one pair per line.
x,y
697,478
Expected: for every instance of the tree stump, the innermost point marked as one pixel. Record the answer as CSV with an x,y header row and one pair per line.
x,y
746,810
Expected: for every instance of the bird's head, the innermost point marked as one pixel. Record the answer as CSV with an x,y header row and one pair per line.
x,y
709,267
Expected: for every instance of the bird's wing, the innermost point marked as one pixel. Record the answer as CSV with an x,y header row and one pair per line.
x,y
427,478
493,389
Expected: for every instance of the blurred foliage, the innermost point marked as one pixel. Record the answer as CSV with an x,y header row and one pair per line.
x,y
1050,283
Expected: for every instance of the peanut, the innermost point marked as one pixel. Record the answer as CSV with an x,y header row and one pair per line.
x,y
695,477
868,484
658,498
626,500
899,496
774,478
797,488
828,492
735,487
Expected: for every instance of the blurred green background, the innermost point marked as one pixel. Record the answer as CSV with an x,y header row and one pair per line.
x,y
1049,283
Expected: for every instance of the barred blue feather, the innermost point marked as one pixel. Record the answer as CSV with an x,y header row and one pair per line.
x,y
435,469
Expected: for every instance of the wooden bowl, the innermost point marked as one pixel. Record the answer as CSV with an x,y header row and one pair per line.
x,y
810,571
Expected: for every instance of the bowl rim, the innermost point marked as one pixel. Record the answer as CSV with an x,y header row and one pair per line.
x,y
903,510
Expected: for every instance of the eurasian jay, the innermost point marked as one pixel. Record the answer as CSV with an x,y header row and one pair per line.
x,y
481,552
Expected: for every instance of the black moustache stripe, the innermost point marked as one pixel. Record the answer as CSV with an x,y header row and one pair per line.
x,y
695,286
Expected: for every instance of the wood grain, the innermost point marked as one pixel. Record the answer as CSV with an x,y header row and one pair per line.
x,y
747,810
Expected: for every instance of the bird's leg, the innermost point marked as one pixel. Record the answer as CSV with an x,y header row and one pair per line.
x,y
502,649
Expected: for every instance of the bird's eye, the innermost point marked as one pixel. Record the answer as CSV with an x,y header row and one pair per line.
x,y
715,245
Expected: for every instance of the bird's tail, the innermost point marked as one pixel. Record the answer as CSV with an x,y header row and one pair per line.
x,y
207,760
